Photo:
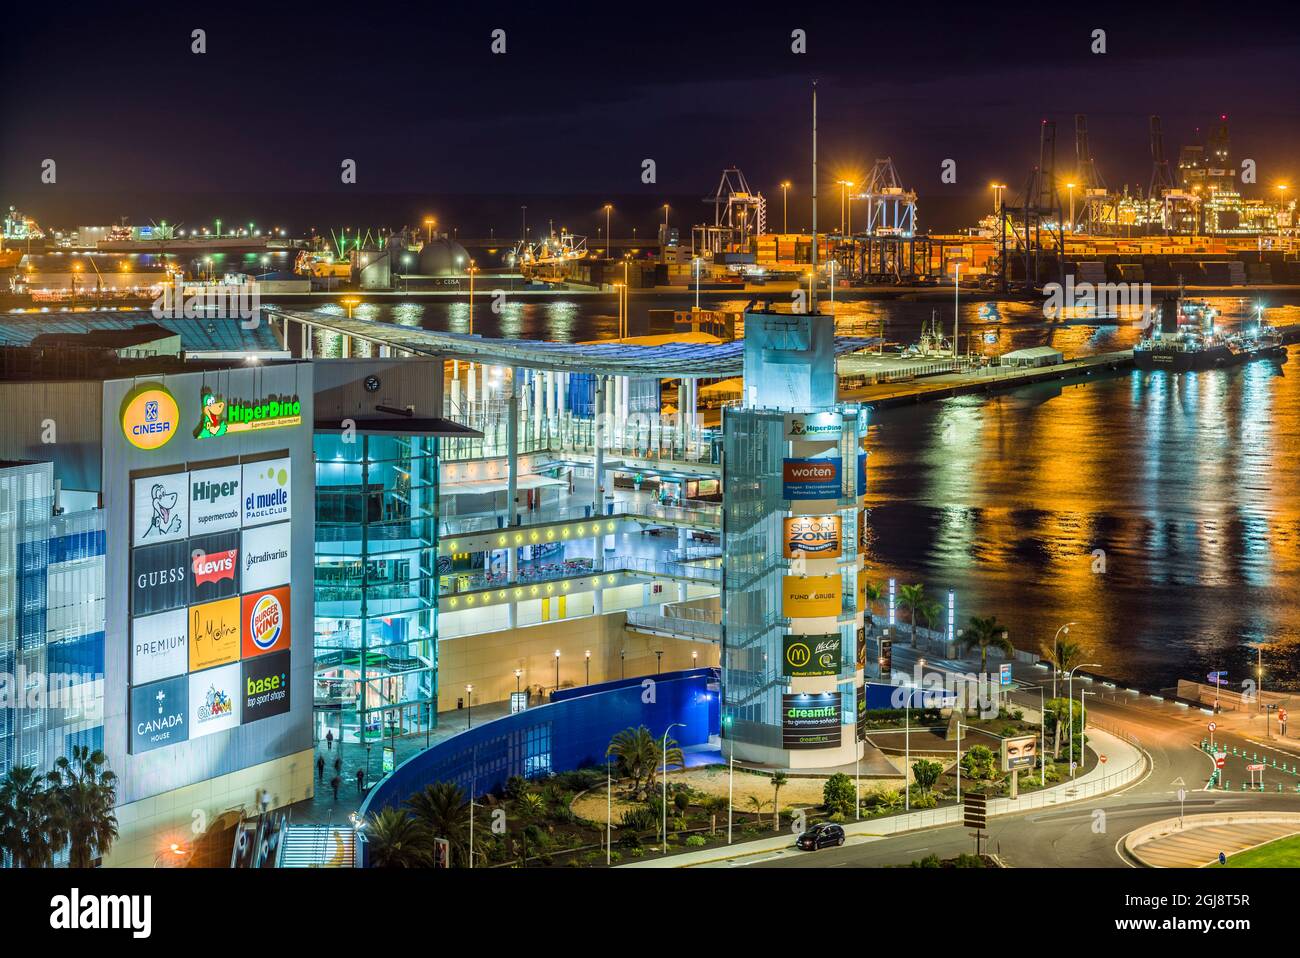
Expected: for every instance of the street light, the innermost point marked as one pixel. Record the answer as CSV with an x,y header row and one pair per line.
x,y
1063,630
609,208
557,668
350,302
518,674
469,706
587,655
1070,187
665,798
785,196
1070,678
472,270
997,189
429,223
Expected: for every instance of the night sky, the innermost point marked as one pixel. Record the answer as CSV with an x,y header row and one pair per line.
x,y
258,126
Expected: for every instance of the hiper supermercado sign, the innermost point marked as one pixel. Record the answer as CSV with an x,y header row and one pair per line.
x,y
812,537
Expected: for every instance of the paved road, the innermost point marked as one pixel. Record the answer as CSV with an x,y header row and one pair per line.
x,y
1087,834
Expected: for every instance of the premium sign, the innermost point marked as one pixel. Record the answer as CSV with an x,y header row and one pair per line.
x,y
159,578
214,567
266,491
265,557
266,622
812,595
160,511
214,700
813,537
810,656
215,500
810,721
149,416
1019,752
159,646
159,714
214,634
219,416
810,479
818,425
266,686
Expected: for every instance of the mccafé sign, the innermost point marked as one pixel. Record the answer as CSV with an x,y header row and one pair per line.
x,y
812,537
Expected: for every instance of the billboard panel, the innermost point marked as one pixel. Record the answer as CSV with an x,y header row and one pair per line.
x,y
214,567
215,502
214,700
814,426
810,478
159,714
811,595
813,537
266,557
266,621
160,578
214,634
160,508
1019,752
810,721
810,656
159,646
266,491
265,687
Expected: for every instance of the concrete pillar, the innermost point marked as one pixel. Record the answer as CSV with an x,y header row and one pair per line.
x,y
539,404
346,347
471,393
512,563
384,351
622,400
486,393
598,476
598,602
512,450
512,615
683,539
681,591
306,341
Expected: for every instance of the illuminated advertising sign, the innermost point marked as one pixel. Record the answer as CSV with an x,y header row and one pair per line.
x,y
159,714
214,634
214,499
266,491
813,537
265,557
1019,752
214,567
266,687
812,595
214,700
862,473
814,426
860,660
810,721
266,621
810,656
160,578
149,416
862,712
159,646
810,479
160,510
220,415
885,660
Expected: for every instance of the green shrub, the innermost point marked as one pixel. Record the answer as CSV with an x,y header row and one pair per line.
x,y
682,801
968,861
929,861
839,794
923,799
978,762
638,820
696,841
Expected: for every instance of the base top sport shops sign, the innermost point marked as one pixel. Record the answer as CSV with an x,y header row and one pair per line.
x,y
810,721
266,686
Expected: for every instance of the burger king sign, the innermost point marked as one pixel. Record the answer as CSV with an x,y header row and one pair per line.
x,y
266,622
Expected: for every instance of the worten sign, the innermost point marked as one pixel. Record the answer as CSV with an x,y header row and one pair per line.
x,y
814,426
149,416
810,656
812,595
813,537
810,478
810,721
219,415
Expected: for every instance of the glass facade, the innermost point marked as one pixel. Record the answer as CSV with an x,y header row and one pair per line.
x,y
376,648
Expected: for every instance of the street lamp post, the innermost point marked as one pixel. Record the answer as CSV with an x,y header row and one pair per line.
x,y
1063,630
785,196
518,673
1069,676
665,792
697,284
1070,187
731,771
956,306
557,668
609,208
587,656
907,749
469,706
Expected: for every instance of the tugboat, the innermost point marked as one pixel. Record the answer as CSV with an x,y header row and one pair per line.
x,y
1186,338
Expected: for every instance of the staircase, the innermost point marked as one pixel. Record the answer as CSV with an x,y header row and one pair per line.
x,y
318,846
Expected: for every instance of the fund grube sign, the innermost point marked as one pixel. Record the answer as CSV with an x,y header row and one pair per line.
x,y
810,656
266,686
812,537
812,595
810,479
810,721
159,646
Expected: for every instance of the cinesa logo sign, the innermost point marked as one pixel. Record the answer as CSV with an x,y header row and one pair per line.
x,y
149,416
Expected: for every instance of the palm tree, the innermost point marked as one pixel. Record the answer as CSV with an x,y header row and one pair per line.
x,y
778,780
929,609
714,804
911,596
985,633
30,827
1065,656
86,792
757,804
442,809
529,807
396,840
872,592
639,754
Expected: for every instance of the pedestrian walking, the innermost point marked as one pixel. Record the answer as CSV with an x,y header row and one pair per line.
x,y
334,784
329,740
320,769
361,780
338,766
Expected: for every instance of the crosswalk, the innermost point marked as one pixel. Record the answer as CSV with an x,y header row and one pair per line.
x,y
318,846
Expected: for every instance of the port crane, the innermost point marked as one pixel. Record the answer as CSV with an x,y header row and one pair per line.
x,y
738,214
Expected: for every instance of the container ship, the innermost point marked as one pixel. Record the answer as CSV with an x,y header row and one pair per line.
x,y
1185,338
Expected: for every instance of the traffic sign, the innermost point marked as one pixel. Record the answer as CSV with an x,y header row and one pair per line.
x,y
1212,726
1220,760
1102,759
1257,767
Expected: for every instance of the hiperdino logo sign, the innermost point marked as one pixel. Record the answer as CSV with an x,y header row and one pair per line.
x,y
219,415
149,416
814,426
